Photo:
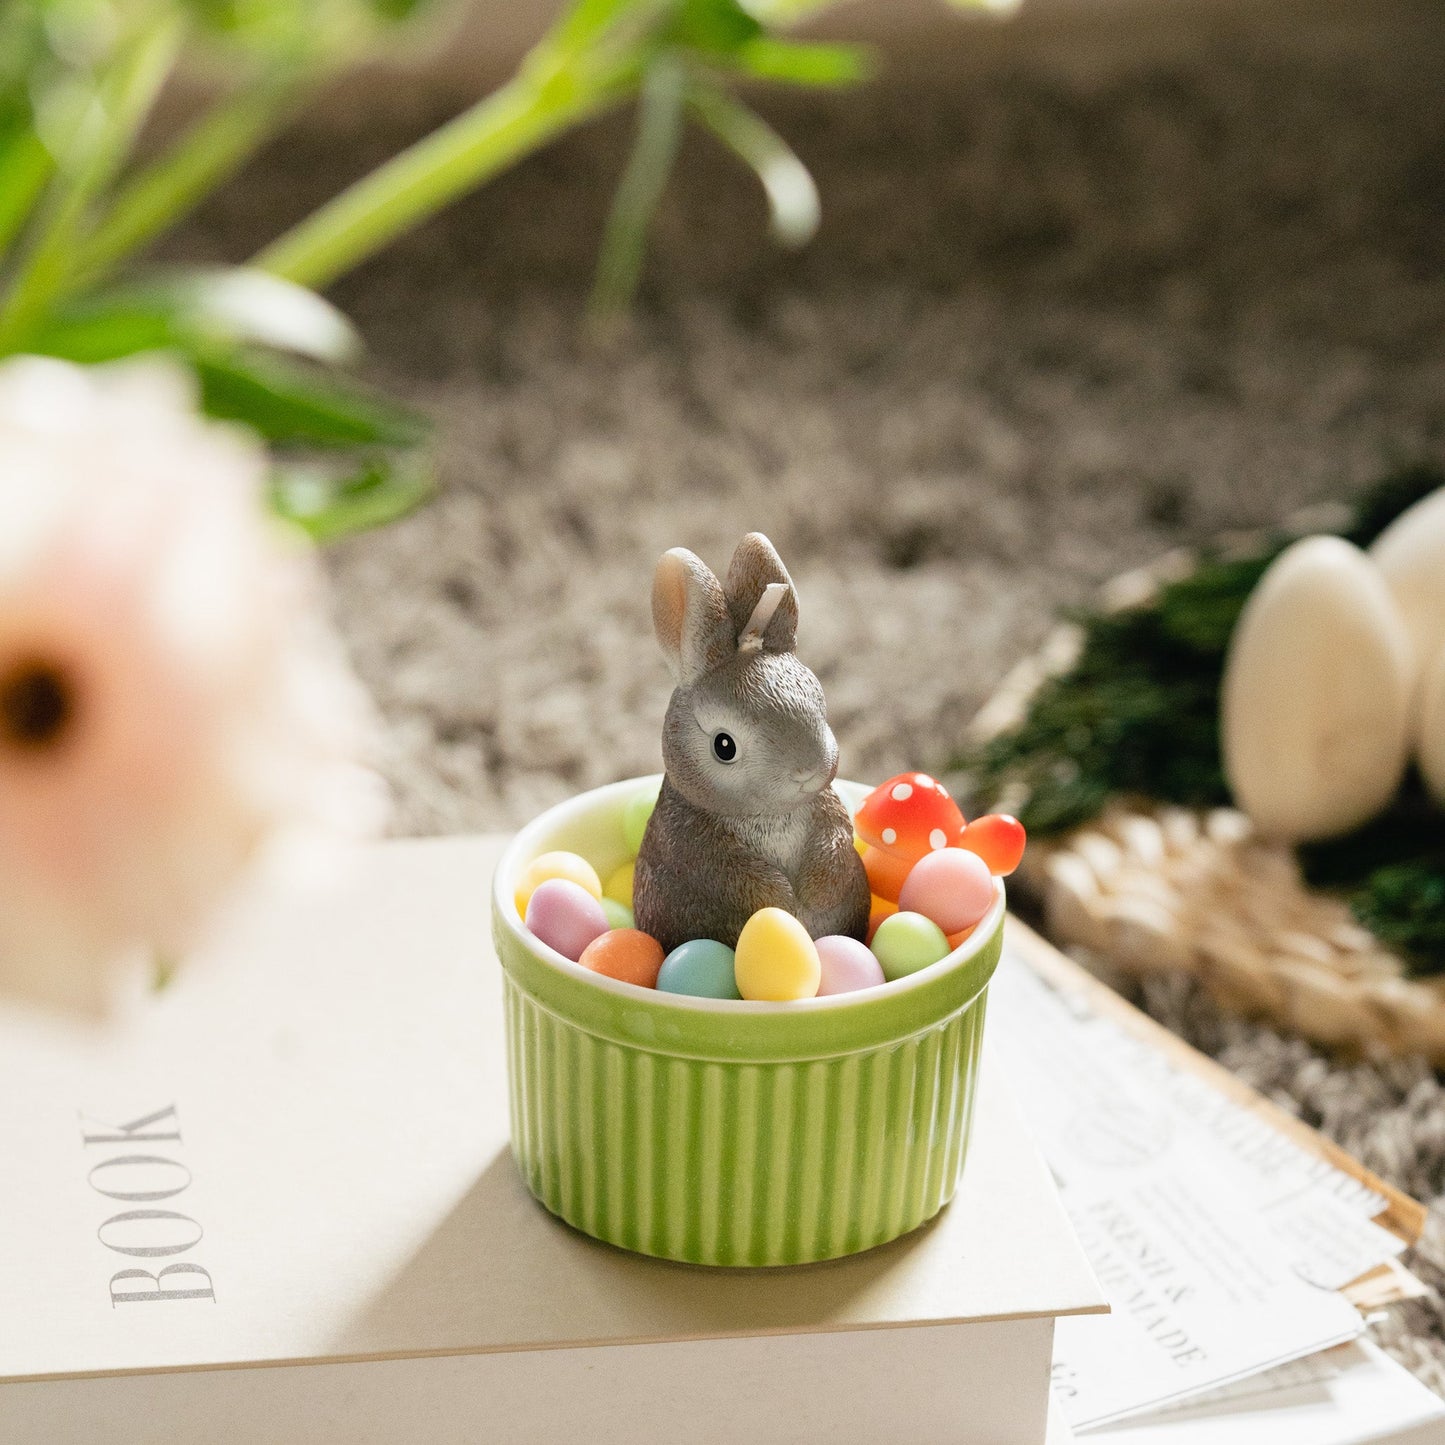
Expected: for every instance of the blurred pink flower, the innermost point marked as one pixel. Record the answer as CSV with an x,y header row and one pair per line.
x,y
171,696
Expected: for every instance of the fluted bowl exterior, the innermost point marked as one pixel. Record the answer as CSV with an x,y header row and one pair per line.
x,y
723,1133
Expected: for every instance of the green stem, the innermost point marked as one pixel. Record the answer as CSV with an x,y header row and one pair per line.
x,y
97,151
495,133
212,151
792,196
25,167
659,130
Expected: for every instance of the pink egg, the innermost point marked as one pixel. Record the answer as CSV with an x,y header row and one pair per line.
x,y
953,887
847,965
565,916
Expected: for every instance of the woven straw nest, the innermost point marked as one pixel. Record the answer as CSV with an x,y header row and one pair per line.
x,y
1157,889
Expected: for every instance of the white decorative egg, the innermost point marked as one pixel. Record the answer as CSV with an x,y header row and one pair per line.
x,y
1316,693
1432,727
1410,554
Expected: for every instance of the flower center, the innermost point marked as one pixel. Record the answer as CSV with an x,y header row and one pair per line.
x,y
37,705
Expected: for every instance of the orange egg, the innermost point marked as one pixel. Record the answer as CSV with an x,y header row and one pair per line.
x,y
954,939
886,873
877,913
626,954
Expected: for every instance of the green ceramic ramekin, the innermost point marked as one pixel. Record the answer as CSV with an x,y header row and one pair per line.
x,y
727,1133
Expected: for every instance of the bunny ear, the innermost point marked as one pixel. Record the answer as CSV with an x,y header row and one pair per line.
x,y
690,615
761,597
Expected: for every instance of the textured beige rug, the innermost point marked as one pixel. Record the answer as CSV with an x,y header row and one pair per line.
x,y
1079,296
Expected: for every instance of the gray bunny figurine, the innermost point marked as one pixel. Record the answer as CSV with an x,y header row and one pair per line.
x,y
747,817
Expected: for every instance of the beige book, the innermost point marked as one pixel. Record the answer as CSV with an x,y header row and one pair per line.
x,y
276,1203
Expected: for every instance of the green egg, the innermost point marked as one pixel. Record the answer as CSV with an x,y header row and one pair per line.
x,y
618,915
635,816
907,942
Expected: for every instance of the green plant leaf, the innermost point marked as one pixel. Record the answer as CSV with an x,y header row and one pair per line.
x,y
395,12
1403,905
170,187
319,33
792,196
90,146
659,130
792,62
785,12
197,312
588,22
330,500
290,404
536,106
596,54
25,167
718,27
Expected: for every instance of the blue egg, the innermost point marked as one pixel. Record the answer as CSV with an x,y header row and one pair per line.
x,y
702,968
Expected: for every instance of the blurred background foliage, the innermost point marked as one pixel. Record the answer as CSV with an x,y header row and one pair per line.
x,y
1137,715
85,189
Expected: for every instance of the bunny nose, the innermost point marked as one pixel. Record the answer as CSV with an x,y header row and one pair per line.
x,y
811,780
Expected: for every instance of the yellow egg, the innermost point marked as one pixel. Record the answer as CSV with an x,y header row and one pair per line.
x,y
571,866
776,959
619,885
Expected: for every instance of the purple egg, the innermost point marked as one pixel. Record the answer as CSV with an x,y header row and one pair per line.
x,y
847,965
953,887
565,916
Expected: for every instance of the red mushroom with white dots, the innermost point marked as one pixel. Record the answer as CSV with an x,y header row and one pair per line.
x,y
909,816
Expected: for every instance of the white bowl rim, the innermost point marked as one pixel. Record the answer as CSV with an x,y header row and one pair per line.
x,y
523,844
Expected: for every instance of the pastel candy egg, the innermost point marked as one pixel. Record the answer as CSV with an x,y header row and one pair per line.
x,y
565,916
619,884
953,887
572,866
906,942
847,965
776,960
625,954
635,815
618,915
702,967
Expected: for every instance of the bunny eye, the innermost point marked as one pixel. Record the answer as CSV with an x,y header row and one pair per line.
x,y
724,747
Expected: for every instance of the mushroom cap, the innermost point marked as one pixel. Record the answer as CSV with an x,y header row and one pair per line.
x,y
908,816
